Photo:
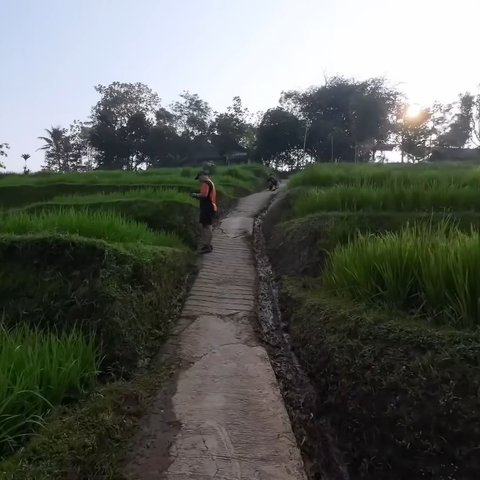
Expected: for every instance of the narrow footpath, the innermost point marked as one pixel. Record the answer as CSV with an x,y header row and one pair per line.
x,y
231,420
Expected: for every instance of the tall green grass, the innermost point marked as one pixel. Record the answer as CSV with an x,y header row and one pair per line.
x,y
408,198
169,176
395,175
39,370
422,269
161,195
104,225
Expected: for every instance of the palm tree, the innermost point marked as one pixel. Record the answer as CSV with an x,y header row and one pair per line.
x,y
54,148
25,157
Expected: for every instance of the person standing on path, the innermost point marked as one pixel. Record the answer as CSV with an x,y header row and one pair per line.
x,y
208,209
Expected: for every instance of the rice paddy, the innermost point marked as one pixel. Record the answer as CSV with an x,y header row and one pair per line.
x,y
37,371
141,219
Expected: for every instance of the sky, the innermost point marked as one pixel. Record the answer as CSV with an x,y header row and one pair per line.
x,y
53,52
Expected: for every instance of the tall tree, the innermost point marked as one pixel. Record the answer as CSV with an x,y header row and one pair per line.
x,y
62,154
460,129
54,148
415,134
279,138
163,146
346,114
476,121
120,124
232,128
3,152
25,157
192,115
122,100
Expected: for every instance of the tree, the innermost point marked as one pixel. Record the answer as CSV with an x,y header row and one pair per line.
x,y
192,115
460,129
163,146
54,148
25,157
279,137
476,121
134,136
62,151
346,114
120,124
232,128
3,152
416,134
122,100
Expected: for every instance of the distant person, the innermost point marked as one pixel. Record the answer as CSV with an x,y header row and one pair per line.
x,y
208,209
272,183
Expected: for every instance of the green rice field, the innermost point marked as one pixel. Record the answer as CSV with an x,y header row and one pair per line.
x,y
93,267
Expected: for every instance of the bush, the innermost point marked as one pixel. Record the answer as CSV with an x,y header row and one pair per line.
x,y
124,297
401,396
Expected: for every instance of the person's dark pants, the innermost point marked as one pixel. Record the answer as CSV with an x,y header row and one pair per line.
x,y
206,220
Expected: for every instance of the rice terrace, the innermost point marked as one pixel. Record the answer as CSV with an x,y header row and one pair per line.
x,y
382,310
239,240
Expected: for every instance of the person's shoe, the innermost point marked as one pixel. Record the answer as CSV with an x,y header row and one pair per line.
x,y
206,249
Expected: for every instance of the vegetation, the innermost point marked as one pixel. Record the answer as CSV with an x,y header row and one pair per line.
x,y
344,119
39,370
382,176
434,271
379,271
399,395
103,225
159,195
389,198
98,269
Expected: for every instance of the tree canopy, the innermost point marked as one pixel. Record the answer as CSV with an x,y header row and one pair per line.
x,y
342,120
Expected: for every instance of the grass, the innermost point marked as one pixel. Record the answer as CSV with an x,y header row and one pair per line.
x,y
104,225
37,371
161,195
185,176
421,269
387,198
395,175
400,395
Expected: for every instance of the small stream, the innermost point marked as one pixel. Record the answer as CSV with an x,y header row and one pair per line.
x,y
319,456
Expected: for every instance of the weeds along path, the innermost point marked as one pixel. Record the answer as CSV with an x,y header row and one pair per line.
x,y
227,420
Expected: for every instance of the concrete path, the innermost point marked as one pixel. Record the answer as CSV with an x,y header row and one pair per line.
x,y
232,421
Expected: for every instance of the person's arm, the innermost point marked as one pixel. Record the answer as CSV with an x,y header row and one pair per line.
x,y
203,192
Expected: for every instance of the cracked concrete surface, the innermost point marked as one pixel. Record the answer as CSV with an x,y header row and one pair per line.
x,y
232,421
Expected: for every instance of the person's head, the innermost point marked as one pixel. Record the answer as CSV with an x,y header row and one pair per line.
x,y
202,176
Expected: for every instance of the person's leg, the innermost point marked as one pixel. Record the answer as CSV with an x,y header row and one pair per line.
x,y
207,233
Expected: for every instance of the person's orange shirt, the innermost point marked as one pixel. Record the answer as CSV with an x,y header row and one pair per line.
x,y
208,190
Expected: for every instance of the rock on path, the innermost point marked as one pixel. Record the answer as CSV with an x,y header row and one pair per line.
x,y
232,421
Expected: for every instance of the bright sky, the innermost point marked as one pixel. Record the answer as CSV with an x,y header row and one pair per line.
x,y
52,52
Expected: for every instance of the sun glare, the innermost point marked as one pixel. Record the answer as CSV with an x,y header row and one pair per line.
x,y
413,111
